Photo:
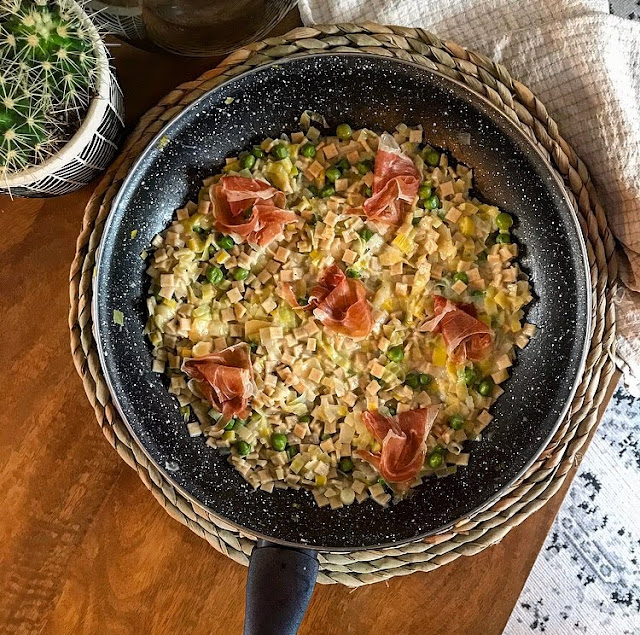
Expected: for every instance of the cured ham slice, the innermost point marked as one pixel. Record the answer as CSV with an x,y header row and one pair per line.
x,y
395,183
464,336
337,301
286,290
225,379
403,442
249,208
340,303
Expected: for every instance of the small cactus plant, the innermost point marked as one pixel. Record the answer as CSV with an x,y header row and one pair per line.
x,y
47,79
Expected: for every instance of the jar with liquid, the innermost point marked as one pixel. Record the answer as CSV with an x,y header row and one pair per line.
x,y
210,27
200,28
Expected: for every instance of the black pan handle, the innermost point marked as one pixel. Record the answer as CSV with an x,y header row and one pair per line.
x,y
279,587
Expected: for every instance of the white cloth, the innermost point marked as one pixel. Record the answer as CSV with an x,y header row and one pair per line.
x,y
583,64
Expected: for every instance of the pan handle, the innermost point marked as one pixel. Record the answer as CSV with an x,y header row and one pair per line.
x,y
279,587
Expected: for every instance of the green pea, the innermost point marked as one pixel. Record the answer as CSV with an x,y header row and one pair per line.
x,y
396,353
305,419
278,441
280,151
433,202
503,238
344,132
430,156
412,380
308,150
214,275
231,425
435,460
345,465
469,376
364,167
368,192
243,448
353,273
504,221
439,449
327,191
225,242
425,379
425,190
485,387
456,422
343,164
381,481
366,234
461,276
258,152
240,273
292,450
415,221
248,161
332,174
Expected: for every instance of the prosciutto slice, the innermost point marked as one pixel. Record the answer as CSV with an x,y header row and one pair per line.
x,y
250,209
395,183
403,442
340,303
225,379
464,336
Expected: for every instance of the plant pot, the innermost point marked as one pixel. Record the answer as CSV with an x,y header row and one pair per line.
x,y
93,146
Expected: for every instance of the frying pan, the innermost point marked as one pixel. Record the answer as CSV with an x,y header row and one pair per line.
x,y
377,93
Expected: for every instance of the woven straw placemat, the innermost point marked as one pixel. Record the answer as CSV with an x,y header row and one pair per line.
x,y
493,82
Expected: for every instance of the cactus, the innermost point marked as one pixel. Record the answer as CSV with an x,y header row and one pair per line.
x,y
47,80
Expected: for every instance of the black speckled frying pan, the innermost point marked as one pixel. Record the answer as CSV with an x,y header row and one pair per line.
x,y
377,93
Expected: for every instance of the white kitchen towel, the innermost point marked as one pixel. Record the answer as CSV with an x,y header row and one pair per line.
x,y
584,65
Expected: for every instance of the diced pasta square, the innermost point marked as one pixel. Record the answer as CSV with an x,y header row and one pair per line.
x,y
234,295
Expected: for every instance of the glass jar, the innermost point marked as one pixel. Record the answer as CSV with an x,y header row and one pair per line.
x,y
201,28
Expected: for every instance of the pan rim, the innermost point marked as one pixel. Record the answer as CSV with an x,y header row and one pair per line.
x,y
543,443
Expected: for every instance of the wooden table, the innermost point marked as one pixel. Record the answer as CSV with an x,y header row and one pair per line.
x,y
85,547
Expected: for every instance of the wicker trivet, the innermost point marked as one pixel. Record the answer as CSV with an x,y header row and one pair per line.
x,y
493,81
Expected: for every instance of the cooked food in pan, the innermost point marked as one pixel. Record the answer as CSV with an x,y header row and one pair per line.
x,y
337,312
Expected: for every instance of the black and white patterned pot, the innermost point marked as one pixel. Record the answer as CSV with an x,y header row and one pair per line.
x,y
92,147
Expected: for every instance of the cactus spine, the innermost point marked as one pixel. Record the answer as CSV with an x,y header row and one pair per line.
x,y
47,78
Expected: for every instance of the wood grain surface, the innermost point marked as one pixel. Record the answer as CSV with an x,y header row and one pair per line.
x,y
84,546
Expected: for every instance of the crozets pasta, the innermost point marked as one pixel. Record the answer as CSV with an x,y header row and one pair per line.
x,y
337,312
